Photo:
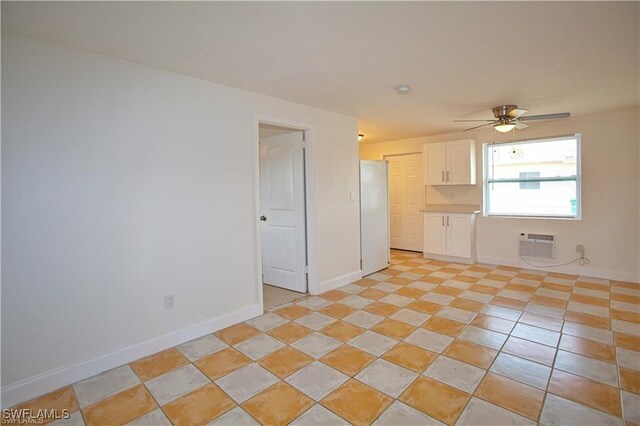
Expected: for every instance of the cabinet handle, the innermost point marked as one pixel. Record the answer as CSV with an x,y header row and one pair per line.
x,y
443,175
447,220
447,176
442,220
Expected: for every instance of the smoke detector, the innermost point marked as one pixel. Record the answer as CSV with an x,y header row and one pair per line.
x,y
403,89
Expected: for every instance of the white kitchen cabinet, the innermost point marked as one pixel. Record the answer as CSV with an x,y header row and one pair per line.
x,y
450,163
450,236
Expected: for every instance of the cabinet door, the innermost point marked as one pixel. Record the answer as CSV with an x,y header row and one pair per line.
x,y
461,163
435,235
435,163
458,234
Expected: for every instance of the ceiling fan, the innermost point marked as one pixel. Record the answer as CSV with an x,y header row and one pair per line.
x,y
508,117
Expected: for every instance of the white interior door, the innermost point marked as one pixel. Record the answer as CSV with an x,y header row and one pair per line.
x,y
406,192
282,210
374,216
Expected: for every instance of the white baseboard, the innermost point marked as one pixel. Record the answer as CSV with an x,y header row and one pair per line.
x,y
586,271
339,281
51,380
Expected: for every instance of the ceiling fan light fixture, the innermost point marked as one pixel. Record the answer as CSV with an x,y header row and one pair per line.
x,y
360,137
504,127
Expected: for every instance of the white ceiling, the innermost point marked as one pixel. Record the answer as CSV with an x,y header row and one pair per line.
x,y
461,58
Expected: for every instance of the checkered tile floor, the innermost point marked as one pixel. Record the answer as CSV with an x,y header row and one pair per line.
x,y
422,342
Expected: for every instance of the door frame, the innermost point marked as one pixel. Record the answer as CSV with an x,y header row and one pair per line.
x,y
310,196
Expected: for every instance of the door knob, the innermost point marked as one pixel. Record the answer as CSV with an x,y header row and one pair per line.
x,y
263,218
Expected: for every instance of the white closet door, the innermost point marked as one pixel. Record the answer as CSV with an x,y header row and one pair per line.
x,y
458,234
406,192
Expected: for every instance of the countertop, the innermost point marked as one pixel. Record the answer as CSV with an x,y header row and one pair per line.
x,y
452,208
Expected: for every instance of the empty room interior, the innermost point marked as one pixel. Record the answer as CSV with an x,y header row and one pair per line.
x,y
320,213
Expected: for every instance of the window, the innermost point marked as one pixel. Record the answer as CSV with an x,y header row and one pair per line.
x,y
534,178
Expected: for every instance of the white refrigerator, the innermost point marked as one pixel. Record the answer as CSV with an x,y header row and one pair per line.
x,y
374,216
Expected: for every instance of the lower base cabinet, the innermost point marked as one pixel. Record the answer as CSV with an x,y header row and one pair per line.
x,y
450,236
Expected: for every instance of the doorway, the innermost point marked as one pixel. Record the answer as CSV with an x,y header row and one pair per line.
x,y
282,213
406,195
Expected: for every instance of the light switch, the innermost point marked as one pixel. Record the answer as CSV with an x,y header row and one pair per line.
x,y
352,196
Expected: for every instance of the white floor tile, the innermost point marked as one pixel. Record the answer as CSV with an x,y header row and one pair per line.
x,y
481,413
259,346
176,383
519,369
246,382
599,371
455,373
104,385
373,343
317,380
386,377
560,412
199,348
399,414
432,341
316,345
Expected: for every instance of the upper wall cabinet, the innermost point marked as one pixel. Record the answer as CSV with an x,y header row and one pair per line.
x,y
450,163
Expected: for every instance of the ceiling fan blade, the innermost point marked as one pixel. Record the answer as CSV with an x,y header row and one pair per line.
x,y
466,121
482,125
521,126
545,116
517,112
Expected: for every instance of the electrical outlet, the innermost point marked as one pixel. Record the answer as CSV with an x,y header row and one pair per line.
x,y
580,249
169,301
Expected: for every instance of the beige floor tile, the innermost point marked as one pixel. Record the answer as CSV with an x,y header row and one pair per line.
x,y
522,370
479,412
259,346
120,408
103,385
290,332
536,334
285,361
246,382
557,410
470,353
514,396
199,407
316,345
455,373
235,417
266,321
483,337
176,383
631,407
154,418
317,380
363,319
222,363
158,364
318,415
587,392
401,414
237,333
529,350
588,332
410,356
394,329
435,399
357,403
549,323
316,320
410,317
493,323
600,371
342,331
278,405
348,359
429,340
386,377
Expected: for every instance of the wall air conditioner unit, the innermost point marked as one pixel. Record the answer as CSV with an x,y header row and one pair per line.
x,y
537,245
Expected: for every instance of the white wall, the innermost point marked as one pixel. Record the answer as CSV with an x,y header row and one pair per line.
x,y
610,227
122,183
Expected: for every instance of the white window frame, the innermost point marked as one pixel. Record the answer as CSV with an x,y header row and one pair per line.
x,y
577,178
